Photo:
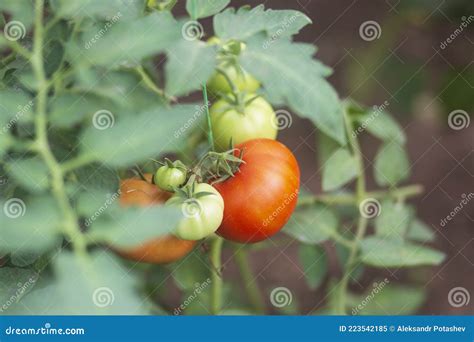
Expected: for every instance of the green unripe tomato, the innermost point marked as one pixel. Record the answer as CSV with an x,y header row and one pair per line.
x,y
242,80
202,215
167,177
257,120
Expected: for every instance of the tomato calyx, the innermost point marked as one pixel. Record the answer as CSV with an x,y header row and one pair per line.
x,y
216,167
188,191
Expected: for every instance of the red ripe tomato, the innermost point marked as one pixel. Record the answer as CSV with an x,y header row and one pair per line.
x,y
260,198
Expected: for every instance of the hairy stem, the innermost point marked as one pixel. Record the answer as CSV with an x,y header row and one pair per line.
x,y
216,277
250,285
70,226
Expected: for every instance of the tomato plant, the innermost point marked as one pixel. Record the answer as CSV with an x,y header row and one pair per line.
x,y
261,197
91,93
160,250
255,118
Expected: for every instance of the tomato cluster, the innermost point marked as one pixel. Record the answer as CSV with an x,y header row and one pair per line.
x,y
245,193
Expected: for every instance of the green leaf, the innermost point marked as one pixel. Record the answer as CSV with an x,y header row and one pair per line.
x,y
31,173
130,227
104,9
98,177
14,107
92,285
189,65
14,284
22,11
384,252
419,231
391,300
339,169
393,220
291,77
136,138
127,41
314,262
204,8
391,165
312,224
383,126
245,22
30,226
190,271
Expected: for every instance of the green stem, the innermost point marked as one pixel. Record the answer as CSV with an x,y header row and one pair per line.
x,y
352,199
152,86
216,277
362,222
210,136
71,227
76,163
250,284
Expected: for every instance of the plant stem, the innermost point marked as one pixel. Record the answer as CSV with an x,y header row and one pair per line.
x,y
251,287
152,86
352,199
216,277
210,136
71,227
362,222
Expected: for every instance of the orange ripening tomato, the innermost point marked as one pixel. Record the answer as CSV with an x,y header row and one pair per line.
x,y
164,249
260,198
